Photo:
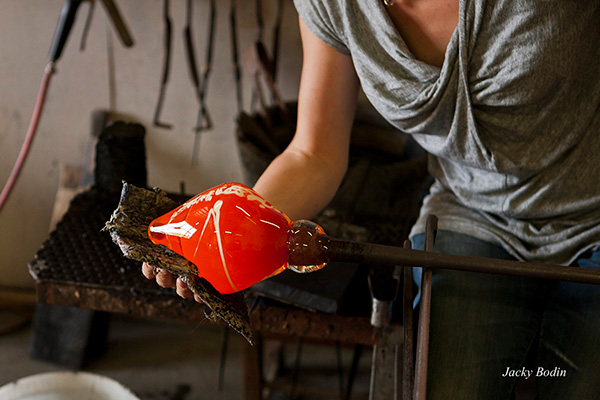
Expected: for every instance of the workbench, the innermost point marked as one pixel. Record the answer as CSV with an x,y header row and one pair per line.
x,y
79,266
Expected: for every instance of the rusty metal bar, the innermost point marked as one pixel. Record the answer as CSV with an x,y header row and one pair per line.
x,y
384,378
290,323
384,364
420,388
408,368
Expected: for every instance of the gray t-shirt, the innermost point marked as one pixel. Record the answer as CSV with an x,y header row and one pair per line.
x,y
511,120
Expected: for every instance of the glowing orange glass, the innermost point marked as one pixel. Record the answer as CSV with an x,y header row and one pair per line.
x,y
233,235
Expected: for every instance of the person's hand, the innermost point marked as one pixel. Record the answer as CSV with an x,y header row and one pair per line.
x,y
168,280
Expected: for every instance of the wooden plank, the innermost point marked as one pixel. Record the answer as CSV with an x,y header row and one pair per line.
x,y
68,187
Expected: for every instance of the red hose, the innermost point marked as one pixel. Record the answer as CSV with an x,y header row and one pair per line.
x,y
35,118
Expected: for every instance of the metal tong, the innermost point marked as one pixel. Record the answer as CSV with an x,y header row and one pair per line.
x,y
204,120
199,80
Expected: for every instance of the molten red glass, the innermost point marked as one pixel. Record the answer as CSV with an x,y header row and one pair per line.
x,y
232,234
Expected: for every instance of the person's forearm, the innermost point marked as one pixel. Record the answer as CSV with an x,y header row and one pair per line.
x,y
304,178
300,184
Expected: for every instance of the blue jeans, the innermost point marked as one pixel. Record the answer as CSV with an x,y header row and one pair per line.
x,y
483,326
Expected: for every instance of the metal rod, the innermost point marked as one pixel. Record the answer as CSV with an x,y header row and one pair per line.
x,y
332,249
420,388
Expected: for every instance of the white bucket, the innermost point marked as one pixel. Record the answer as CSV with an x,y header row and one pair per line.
x,y
65,386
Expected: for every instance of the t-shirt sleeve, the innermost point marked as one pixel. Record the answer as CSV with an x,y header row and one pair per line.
x,y
320,16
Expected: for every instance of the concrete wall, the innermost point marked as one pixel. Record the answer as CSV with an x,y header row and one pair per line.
x,y
81,86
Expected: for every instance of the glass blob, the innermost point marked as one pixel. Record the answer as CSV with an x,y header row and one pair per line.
x,y
305,249
233,235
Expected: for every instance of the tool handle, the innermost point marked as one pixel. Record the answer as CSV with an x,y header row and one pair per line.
x,y
118,22
63,28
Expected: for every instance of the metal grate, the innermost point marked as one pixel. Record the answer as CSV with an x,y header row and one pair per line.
x,y
77,252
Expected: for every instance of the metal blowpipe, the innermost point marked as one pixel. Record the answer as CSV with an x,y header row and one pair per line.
x,y
315,249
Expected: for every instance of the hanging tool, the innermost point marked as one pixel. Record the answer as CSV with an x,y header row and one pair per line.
x,y
253,69
124,36
166,67
204,121
67,18
259,64
86,26
276,36
118,22
263,64
237,73
260,67
199,80
260,24
63,29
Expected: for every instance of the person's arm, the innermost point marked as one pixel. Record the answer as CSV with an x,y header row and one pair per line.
x,y
304,178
